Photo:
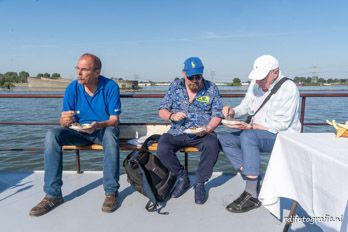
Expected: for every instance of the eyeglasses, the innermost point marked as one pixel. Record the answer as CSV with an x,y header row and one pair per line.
x,y
196,77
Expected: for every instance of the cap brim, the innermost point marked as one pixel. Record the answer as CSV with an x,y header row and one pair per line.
x,y
258,74
194,72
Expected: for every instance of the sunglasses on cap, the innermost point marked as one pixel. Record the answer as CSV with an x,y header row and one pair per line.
x,y
196,77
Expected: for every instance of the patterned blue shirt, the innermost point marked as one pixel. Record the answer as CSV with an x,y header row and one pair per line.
x,y
206,104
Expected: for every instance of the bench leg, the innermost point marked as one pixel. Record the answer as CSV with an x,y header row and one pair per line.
x,y
186,161
291,216
78,167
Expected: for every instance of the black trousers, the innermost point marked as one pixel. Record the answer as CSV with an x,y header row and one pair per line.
x,y
208,145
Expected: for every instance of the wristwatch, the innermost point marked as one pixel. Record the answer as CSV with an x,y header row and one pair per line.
x,y
170,117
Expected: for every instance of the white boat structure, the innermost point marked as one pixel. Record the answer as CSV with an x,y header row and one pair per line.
x,y
83,194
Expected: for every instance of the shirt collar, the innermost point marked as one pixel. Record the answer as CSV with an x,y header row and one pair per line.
x,y
101,83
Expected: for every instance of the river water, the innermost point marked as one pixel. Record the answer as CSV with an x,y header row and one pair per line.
x,y
48,110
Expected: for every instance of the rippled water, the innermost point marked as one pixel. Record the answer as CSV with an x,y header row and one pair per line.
x,y
48,110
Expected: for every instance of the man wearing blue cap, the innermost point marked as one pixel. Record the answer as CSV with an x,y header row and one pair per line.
x,y
194,108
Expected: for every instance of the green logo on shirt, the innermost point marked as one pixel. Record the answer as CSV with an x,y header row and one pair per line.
x,y
204,99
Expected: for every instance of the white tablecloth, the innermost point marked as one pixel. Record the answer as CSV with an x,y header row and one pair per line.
x,y
311,168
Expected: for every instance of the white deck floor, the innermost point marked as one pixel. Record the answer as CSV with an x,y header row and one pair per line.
x,y
83,194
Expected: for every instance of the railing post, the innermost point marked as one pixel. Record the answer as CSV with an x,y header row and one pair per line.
x,y
303,108
78,167
186,161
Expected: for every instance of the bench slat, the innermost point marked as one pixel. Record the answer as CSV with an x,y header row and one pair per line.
x,y
123,147
130,131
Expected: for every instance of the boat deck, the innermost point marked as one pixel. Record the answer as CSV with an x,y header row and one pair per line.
x,y
83,194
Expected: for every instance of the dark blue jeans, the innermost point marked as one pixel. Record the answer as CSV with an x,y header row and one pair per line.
x,y
243,149
208,145
57,137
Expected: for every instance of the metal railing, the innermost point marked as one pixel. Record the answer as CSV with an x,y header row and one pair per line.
x,y
303,96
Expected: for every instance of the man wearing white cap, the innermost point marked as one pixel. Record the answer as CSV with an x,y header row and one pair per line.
x,y
272,103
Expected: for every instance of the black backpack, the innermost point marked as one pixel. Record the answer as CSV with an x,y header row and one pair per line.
x,y
149,176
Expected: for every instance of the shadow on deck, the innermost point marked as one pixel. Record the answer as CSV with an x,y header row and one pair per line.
x,y
83,195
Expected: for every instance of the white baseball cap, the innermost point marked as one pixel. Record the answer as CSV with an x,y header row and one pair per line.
x,y
262,66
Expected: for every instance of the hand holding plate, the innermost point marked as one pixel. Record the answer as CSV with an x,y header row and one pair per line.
x,y
90,128
235,124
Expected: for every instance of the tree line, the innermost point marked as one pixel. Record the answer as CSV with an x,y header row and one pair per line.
x,y
304,80
235,82
47,75
9,79
315,80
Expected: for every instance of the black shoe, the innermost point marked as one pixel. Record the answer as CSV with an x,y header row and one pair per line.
x,y
46,205
200,194
244,203
182,186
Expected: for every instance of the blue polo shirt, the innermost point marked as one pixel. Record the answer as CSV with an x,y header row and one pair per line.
x,y
206,104
105,101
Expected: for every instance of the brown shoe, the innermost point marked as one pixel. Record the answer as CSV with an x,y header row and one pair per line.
x,y
110,203
46,205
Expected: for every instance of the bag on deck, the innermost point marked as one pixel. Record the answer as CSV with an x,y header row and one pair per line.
x,y
149,176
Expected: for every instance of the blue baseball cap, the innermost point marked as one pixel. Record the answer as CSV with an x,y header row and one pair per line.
x,y
193,66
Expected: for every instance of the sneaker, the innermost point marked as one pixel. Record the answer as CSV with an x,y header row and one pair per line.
x,y
110,203
46,205
200,194
244,203
182,186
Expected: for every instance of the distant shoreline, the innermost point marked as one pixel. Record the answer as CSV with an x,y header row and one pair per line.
x,y
59,85
161,89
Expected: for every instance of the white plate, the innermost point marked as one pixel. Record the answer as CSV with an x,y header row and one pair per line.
x,y
80,127
230,122
194,130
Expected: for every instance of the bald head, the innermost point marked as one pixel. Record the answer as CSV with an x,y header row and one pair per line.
x,y
94,59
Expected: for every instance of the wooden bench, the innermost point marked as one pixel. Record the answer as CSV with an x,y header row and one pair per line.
x,y
131,131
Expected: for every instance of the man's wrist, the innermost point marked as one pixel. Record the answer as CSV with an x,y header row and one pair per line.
x,y
209,129
231,115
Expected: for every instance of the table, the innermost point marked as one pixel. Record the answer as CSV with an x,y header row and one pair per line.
x,y
312,169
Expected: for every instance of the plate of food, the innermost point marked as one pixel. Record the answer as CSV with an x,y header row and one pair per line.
x,y
194,130
80,127
230,122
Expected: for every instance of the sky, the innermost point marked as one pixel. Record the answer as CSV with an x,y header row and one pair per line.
x,y
150,39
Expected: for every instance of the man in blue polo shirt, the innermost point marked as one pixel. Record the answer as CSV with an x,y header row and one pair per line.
x,y
91,99
191,102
